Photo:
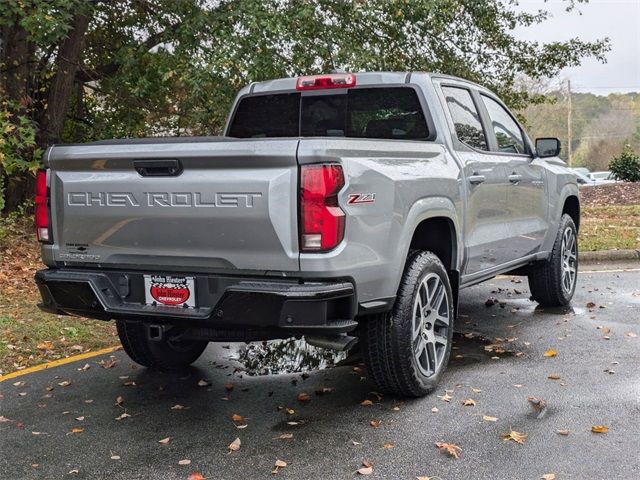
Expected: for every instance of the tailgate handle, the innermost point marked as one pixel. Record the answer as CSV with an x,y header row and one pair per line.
x,y
158,168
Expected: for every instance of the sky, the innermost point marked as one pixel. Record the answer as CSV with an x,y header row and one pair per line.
x,y
617,19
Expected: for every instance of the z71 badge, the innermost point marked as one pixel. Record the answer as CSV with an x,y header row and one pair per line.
x,y
361,198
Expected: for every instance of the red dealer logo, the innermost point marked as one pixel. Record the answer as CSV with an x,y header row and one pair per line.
x,y
170,295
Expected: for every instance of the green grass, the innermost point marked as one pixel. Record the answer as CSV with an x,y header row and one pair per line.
x,y
30,336
609,227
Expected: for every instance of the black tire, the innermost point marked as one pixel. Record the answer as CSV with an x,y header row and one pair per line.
x,y
165,355
547,278
388,339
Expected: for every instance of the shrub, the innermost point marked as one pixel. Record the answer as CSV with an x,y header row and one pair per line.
x,y
626,166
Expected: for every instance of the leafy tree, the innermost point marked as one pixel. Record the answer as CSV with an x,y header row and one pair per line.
x,y
80,70
626,166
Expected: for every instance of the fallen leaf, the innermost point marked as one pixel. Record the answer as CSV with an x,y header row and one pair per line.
x,y
375,423
631,334
599,429
366,469
388,445
4,419
366,403
434,410
80,419
554,376
469,402
75,471
186,461
539,405
487,418
563,432
77,430
284,436
445,398
548,476
290,411
476,390
178,407
278,465
515,437
203,383
323,390
119,401
165,441
195,476
450,449
123,416
235,445
591,305
107,363
353,442
304,397
228,387
550,353
65,383
46,345
237,418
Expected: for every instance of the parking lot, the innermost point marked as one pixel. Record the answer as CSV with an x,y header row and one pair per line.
x,y
83,420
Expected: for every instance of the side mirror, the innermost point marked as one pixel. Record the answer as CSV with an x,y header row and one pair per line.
x,y
547,147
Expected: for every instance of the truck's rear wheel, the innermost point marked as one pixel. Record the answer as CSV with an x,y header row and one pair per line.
x,y
407,350
552,282
165,354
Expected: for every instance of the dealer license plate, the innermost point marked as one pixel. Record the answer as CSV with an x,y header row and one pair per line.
x,y
170,290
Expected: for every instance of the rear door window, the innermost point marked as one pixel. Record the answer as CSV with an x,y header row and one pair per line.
x,y
385,113
466,119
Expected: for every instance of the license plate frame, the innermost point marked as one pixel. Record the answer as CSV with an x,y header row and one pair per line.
x,y
176,291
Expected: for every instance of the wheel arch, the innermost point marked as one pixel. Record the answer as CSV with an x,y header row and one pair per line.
x,y
426,216
571,207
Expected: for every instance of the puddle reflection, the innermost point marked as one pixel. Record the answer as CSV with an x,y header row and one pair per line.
x,y
285,356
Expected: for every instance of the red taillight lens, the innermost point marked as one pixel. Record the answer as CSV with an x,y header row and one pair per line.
x,y
322,220
42,207
318,82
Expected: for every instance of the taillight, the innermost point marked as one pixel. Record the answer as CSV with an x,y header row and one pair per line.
x,y
318,82
321,219
43,231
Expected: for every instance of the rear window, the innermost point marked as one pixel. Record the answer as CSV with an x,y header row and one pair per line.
x,y
387,113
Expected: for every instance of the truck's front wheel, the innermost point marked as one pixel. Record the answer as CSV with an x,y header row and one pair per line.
x,y
164,354
407,350
552,282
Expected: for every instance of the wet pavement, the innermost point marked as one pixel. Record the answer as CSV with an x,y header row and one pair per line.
x,y
78,422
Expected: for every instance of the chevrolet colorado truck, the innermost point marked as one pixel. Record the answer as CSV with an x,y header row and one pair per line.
x,y
345,208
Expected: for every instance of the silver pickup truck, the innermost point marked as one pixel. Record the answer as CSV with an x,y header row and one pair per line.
x,y
344,208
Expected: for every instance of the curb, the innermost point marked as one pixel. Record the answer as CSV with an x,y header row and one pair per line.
x,y
609,256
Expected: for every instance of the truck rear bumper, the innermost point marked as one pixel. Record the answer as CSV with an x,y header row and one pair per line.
x,y
258,308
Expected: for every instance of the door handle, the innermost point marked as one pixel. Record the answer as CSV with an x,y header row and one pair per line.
x,y
515,178
476,179
158,168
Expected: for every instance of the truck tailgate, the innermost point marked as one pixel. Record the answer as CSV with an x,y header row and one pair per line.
x,y
232,205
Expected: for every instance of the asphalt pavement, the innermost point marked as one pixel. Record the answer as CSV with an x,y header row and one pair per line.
x,y
85,421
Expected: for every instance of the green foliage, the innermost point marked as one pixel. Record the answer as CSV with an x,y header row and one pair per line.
x,y
626,166
18,150
167,67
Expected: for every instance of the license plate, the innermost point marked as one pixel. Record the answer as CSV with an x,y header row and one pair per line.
x,y
170,290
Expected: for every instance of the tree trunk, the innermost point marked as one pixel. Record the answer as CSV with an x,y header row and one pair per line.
x,y
62,84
